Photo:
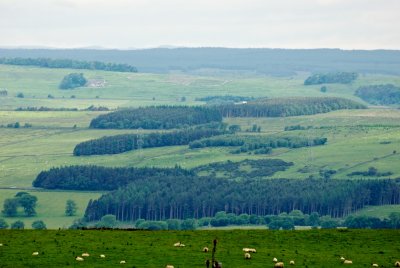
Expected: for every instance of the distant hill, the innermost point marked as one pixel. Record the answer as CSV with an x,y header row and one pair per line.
x,y
264,61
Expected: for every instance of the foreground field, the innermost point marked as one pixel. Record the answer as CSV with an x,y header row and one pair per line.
x,y
313,249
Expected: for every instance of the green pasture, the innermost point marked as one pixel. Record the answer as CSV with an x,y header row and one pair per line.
x,y
142,89
50,207
151,249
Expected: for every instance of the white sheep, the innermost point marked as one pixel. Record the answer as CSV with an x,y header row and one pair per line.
x,y
85,254
182,245
102,256
177,244
375,265
247,256
291,262
275,260
397,264
79,258
342,258
205,249
348,262
169,266
35,253
252,250
279,265
122,262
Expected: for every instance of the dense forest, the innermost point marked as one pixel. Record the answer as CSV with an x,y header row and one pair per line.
x,y
157,117
261,60
379,94
181,197
259,144
128,142
287,107
69,63
97,178
243,169
331,78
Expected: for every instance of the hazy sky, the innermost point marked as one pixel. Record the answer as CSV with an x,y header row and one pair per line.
x,y
348,24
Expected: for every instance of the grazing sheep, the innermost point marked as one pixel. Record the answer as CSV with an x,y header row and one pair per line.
x,y
177,244
291,262
252,250
85,254
348,262
169,266
122,262
397,264
35,253
278,265
247,256
182,245
205,249
79,258
275,260
375,265
342,258
102,256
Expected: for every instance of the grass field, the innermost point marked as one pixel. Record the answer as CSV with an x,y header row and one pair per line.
x,y
50,207
312,249
357,139
137,89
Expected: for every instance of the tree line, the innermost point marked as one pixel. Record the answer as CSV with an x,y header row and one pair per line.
x,y
281,107
258,144
157,117
182,197
379,94
331,78
97,178
128,142
69,64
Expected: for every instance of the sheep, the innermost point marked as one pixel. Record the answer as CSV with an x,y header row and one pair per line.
x,y
278,265
252,250
85,254
1,245
182,245
177,244
169,266
247,256
342,258
275,260
348,262
375,265
79,258
102,256
205,249
291,262
397,264
122,262
35,253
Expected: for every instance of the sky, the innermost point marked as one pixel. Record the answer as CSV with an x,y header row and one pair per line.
x,y
124,24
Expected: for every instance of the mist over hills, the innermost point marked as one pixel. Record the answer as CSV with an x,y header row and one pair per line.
x,y
255,60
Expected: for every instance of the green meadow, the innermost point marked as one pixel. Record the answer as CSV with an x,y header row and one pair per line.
x,y
357,139
312,248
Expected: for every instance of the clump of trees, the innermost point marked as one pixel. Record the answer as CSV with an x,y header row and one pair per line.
x,y
128,142
371,172
281,107
224,99
182,197
70,64
157,117
243,169
98,178
21,199
379,94
72,81
331,78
